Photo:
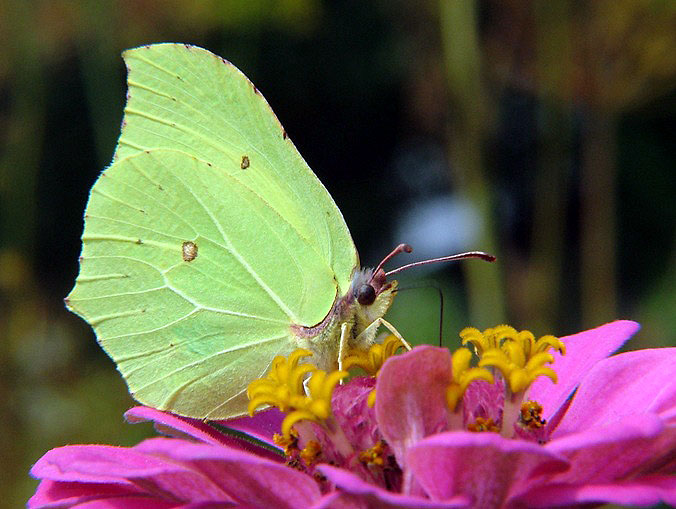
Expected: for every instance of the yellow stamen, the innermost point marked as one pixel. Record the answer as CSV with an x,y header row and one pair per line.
x,y
462,376
531,415
482,424
374,456
283,381
517,355
311,452
371,400
372,360
283,387
489,339
317,405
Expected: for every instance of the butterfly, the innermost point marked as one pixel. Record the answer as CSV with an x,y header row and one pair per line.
x,y
210,247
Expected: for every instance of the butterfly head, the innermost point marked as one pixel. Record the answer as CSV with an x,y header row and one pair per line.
x,y
373,292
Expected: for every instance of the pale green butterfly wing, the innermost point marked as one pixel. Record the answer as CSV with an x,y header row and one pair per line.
x,y
186,98
266,245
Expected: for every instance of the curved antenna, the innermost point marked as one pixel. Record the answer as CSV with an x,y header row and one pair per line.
x,y
401,248
462,256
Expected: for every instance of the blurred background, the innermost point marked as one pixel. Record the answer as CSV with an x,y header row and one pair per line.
x,y
539,131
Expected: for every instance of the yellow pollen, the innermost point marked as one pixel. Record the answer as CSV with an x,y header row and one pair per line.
x,y
311,452
517,355
481,424
462,375
283,387
289,443
531,415
374,456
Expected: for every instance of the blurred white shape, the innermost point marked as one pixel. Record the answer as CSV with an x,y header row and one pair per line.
x,y
439,226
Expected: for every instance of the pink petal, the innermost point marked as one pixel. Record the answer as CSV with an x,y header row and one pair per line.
x,y
355,492
483,466
98,463
175,425
643,492
66,494
248,479
411,397
350,409
212,505
134,502
483,399
583,350
163,478
628,383
262,425
184,427
633,445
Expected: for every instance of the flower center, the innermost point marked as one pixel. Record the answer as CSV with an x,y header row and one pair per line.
x,y
283,387
517,355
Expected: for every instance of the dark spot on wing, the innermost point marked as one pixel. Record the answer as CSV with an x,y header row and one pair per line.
x,y
284,135
139,241
189,251
245,162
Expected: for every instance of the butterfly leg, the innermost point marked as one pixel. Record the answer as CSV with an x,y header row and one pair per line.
x,y
369,333
394,331
342,348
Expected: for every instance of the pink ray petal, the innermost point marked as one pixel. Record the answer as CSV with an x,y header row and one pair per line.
x,y
411,397
483,466
583,350
644,492
248,479
185,427
355,492
635,444
628,383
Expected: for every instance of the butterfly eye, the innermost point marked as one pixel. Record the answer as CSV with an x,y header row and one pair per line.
x,y
366,295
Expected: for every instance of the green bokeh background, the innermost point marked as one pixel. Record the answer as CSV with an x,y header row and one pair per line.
x,y
553,121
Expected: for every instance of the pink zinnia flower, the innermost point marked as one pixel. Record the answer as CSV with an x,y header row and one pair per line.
x,y
604,433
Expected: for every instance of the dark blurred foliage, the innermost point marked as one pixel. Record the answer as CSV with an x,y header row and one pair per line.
x,y
540,131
